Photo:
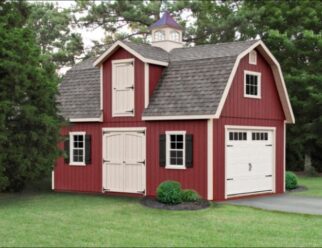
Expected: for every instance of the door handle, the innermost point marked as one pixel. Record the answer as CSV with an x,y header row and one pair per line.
x,y
250,167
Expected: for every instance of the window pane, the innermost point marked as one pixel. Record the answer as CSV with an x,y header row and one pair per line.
x,y
179,161
179,137
173,145
180,145
173,154
80,137
179,154
231,136
173,161
172,138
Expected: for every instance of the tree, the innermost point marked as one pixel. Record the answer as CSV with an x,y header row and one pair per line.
x,y
29,125
292,30
53,29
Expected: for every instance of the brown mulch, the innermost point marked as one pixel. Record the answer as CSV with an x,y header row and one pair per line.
x,y
153,203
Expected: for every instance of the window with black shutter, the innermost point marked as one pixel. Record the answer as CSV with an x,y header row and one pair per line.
x,y
176,150
79,152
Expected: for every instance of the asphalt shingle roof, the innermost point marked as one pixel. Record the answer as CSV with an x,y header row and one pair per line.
x,y
80,92
192,84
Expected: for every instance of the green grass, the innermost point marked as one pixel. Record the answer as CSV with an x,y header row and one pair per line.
x,y
314,185
61,219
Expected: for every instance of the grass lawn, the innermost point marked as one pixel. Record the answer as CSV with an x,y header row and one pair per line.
x,y
314,185
62,219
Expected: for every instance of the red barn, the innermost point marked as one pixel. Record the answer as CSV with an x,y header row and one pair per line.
x,y
211,117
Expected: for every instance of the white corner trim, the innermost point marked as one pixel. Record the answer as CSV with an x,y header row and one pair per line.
x,y
179,117
278,76
117,44
284,157
259,84
101,87
146,84
210,160
52,179
100,119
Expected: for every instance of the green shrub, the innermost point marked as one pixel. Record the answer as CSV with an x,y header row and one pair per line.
x,y
189,195
290,180
169,192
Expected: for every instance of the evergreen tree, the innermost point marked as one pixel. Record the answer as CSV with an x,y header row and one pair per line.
x,y
29,125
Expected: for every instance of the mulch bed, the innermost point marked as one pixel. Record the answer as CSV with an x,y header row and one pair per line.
x,y
153,203
300,188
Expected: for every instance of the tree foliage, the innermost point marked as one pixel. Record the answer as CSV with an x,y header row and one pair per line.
x,y
53,29
29,125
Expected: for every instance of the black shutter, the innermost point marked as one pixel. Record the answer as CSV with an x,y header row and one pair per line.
x,y
88,146
189,150
66,150
162,155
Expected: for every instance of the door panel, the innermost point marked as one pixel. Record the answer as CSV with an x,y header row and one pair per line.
x,y
124,166
249,163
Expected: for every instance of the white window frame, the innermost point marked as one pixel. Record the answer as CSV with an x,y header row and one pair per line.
x,y
259,84
71,149
157,37
252,57
174,34
168,164
114,113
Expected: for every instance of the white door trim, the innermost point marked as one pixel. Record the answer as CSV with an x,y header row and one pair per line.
x,y
210,161
262,128
122,129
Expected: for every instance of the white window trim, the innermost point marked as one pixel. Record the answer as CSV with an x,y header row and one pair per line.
x,y
176,33
115,62
157,32
250,61
71,146
259,84
168,165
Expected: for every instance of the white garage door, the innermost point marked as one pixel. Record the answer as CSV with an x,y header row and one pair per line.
x,y
249,161
124,162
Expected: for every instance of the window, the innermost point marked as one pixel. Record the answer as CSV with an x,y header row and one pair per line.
x,y
259,136
252,84
175,149
253,57
77,148
159,35
174,35
237,135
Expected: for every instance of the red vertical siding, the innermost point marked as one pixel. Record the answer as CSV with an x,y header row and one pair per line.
x,y
238,110
192,178
155,72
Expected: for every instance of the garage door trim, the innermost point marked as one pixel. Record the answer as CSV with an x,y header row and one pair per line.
x,y
122,129
251,128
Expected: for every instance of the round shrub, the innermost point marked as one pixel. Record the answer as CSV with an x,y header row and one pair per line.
x,y
290,180
189,195
169,192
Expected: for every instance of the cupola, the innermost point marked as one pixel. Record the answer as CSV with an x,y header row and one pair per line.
x,y
166,33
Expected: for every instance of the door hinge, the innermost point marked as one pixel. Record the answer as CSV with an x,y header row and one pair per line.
x,y
141,162
269,145
130,111
229,145
268,176
141,192
130,87
230,179
106,161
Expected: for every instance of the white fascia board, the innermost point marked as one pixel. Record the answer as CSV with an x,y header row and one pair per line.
x,y
100,119
117,44
179,117
146,84
278,76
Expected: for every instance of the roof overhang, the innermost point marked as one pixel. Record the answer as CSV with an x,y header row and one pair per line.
x,y
118,44
177,117
278,76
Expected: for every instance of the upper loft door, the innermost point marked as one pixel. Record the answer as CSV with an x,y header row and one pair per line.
x,y
123,88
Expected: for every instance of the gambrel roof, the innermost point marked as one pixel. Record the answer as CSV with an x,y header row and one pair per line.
x,y
194,85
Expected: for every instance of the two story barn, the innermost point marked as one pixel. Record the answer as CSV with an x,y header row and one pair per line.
x,y
211,117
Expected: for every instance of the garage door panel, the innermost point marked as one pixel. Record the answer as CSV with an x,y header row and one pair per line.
x,y
115,182
133,178
249,161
